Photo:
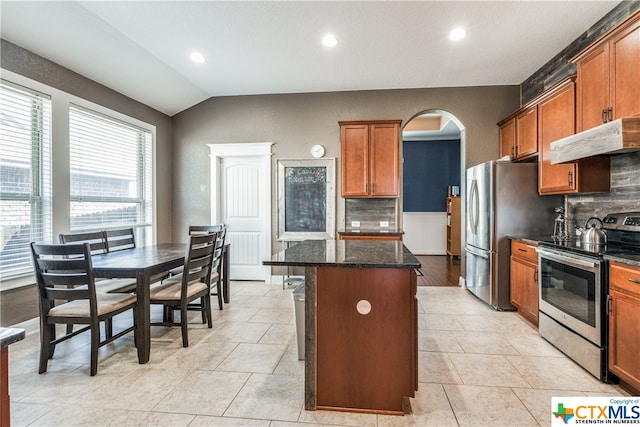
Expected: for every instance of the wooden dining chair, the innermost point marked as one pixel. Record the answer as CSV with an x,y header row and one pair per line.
x,y
67,295
99,244
96,239
120,239
177,292
216,270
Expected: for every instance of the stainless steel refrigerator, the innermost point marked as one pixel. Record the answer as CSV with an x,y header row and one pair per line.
x,y
502,201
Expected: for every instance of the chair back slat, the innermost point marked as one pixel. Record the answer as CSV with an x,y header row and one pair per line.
x,y
66,294
204,229
96,239
120,239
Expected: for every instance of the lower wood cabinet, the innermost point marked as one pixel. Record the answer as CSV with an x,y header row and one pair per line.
x,y
366,339
624,323
524,280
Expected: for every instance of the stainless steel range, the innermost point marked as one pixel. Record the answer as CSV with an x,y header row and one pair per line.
x,y
574,287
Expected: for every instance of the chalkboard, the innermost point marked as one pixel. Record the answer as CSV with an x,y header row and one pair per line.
x,y
305,195
306,199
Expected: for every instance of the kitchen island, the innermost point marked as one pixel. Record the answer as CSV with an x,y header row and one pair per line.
x,y
361,327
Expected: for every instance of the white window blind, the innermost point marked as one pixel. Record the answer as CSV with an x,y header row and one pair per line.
x,y
110,165
25,176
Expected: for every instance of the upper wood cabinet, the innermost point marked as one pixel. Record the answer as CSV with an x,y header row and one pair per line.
x,y
556,119
508,137
519,134
527,133
370,158
608,84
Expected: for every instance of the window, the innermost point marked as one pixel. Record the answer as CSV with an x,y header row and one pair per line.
x,y
25,176
110,165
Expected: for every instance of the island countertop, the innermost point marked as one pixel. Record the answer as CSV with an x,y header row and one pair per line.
x,y
346,253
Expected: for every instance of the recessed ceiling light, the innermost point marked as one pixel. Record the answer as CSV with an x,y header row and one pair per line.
x,y
329,40
457,34
197,57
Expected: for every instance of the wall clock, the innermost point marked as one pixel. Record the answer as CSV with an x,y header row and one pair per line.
x,y
317,151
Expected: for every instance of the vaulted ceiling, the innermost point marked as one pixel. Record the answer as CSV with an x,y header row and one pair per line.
x,y
142,48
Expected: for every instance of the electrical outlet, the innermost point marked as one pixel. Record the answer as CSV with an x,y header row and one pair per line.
x,y
384,223
355,223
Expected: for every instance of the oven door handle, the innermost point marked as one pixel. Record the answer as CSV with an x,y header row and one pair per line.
x,y
554,256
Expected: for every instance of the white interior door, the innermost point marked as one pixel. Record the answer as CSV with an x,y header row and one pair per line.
x,y
242,211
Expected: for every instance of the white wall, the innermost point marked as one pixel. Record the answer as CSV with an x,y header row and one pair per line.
x,y
425,233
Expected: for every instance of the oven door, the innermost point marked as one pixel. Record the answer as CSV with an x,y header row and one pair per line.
x,y
571,292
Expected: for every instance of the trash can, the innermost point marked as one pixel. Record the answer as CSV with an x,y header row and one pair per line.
x,y
298,309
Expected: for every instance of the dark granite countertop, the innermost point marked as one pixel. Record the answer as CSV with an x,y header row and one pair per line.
x,y
532,240
346,253
10,335
633,260
371,231
623,258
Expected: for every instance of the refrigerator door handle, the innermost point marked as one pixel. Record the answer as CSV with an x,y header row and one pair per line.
x,y
474,206
476,252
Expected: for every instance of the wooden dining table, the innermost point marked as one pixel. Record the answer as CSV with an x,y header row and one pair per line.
x,y
142,263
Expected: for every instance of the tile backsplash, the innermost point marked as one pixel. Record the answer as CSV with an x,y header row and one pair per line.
x,y
623,197
370,212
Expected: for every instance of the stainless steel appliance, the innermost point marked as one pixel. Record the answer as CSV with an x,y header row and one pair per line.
x,y
502,201
574,289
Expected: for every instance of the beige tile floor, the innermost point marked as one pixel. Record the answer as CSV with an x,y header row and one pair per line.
x,y
476,367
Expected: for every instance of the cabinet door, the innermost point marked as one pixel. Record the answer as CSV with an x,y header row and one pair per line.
x,y
355,160
593,88
508,138
624,337
556,119
524,288
527,133
384,166
625,72
517,277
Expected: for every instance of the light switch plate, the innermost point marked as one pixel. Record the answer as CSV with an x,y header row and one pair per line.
x,y
384,223
355,223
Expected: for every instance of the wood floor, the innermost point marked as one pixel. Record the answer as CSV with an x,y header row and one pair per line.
x,y
437,270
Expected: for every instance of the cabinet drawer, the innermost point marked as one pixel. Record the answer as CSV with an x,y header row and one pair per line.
x,y
624,278
524,250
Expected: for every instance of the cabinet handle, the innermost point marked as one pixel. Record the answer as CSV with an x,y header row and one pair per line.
x,y
522,250
609,114
535,276
637,282
513,152
603,116
609,304
373,188
570,179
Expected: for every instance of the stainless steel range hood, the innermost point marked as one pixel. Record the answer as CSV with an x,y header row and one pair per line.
x,y
619,136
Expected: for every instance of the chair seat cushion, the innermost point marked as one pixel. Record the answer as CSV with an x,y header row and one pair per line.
x,y
116,285
171,288
106,304
176,271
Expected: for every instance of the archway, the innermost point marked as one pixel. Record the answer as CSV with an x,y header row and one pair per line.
x,y
434,159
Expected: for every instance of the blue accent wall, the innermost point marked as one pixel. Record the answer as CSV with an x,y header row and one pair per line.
x,y
429,168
